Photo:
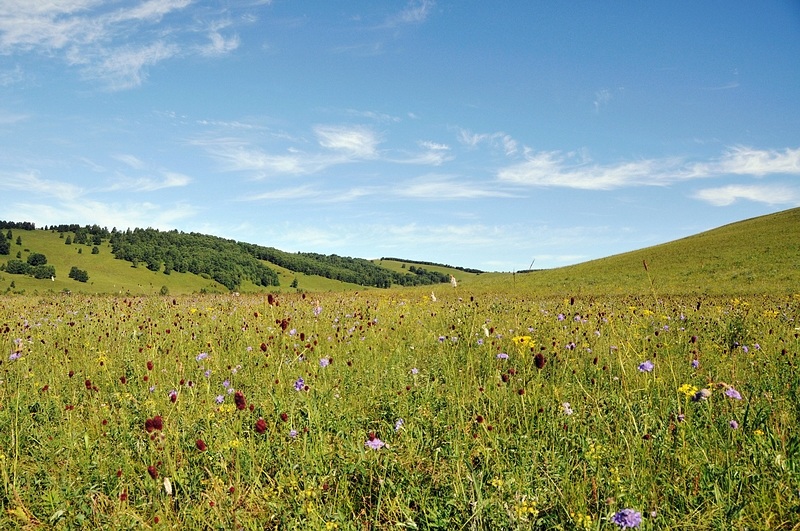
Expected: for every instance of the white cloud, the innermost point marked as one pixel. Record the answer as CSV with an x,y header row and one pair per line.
x,y
32,183
769,194
445,187
127,67
354,141
554,169
495,140
742,160
110,43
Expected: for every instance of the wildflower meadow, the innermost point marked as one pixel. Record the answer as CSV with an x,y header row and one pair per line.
x,y
387,409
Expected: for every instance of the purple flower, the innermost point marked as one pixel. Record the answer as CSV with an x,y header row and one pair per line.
x,y
300,384
695,364
317,310
502,356
414,370
207,374
745,349
201,356
374,443
292,433
627,518
441,339
324,362
219,399
567,408
561,317
733,393
646,366
398,424
226,384
733,424
14,356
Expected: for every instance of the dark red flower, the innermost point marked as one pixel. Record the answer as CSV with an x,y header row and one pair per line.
x,y
539,360
154,424
263,347
238,399
201,445
149,365
152,471
88,384
284,417
261,425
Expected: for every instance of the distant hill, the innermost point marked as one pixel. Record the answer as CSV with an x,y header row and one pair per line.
x,y
152,261
754,256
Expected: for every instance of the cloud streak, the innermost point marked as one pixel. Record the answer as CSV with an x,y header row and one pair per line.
x,y
554,169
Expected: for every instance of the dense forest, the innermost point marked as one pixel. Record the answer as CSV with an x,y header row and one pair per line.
x,y
222,260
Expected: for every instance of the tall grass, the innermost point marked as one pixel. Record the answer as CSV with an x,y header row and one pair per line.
x,y
496,411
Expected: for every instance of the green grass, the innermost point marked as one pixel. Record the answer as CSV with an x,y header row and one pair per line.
x,y
486,442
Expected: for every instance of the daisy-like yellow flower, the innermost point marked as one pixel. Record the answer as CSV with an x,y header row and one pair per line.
x,y
688,390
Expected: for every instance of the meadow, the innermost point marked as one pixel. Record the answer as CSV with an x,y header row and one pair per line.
x,y
380,409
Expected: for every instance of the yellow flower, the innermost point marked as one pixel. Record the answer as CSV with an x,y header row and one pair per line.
x,y
497,482
758,433
330,526
235,443
523,340
687,389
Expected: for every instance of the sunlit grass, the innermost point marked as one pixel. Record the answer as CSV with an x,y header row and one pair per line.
x,y
497,411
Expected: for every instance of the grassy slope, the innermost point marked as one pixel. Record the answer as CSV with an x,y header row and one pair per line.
x,y
108,275
759,255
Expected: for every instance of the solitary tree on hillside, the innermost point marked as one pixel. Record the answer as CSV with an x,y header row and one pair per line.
x,y
36,259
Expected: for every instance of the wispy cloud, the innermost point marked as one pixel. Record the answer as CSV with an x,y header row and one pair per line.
x,y
601,99
353,141
768,194
415,12
445,187
112,42
432,154
554,169
32,183
742,160
495,140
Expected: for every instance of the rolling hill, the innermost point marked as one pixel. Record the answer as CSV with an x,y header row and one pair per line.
x,y
755,256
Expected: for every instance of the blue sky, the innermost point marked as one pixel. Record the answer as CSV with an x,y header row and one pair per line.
x,y
478,134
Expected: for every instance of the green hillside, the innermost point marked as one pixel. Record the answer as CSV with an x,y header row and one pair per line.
x,y
755,256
